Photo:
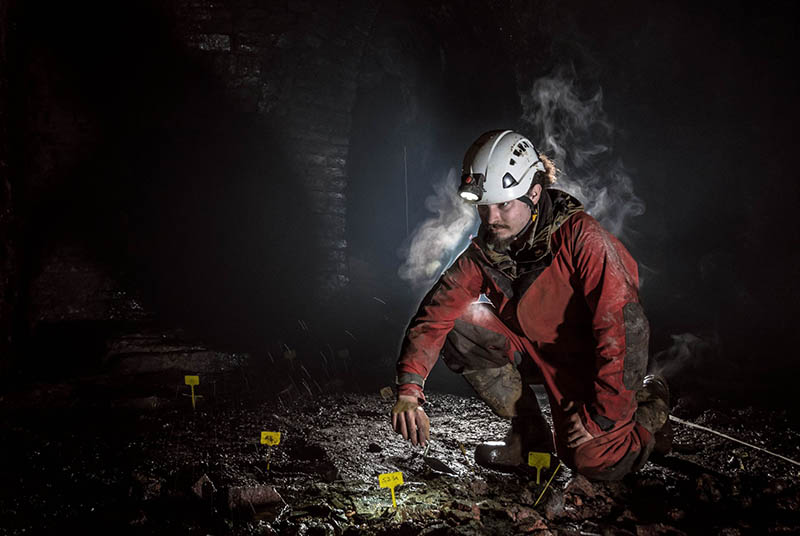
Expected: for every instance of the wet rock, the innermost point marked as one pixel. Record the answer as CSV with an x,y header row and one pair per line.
x,y
579,486
436,530
460,516
479,487
553,507
708,489
138,519
526,519
657,529
676,514
146,486
204,488
461,511
260,502
776,486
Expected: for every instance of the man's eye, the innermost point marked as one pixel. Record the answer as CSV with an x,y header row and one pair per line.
x,y
504,205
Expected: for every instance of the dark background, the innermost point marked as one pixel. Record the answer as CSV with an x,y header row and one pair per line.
x,y
229,168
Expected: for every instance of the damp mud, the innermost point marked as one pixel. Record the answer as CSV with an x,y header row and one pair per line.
x,y
151,465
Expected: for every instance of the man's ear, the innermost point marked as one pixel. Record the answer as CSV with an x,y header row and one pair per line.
x,y
535,193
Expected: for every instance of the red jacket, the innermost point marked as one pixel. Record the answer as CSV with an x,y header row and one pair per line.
x,y
573,317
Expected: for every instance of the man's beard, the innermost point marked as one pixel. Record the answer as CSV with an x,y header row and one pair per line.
x,y
496,243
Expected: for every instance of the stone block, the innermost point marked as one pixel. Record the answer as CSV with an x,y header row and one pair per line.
x,y
333,223
320,183
332,282
251,500
333,243
321,200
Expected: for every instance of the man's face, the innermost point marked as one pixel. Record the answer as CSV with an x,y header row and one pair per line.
x,y
504,221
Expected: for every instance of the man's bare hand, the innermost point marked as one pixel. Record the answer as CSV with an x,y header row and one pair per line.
x,y
576,433
410,421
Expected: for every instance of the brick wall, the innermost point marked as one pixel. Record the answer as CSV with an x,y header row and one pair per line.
x,y
296,64
293,65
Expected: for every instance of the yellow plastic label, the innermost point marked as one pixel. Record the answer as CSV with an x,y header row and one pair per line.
x,y
270,438
192,380
390,480
539,460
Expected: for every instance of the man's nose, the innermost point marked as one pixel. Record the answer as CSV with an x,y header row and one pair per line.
x,y
493,215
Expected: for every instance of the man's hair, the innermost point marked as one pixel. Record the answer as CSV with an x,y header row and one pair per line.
x,y
547,177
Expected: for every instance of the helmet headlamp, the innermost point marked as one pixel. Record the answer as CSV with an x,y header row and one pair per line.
x,y
471,188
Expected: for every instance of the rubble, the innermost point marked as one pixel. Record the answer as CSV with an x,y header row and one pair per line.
x,y
206,471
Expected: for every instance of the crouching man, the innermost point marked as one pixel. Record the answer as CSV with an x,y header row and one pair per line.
x,y
564,313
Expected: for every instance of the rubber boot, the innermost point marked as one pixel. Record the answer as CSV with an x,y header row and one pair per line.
x,y
526,435
653,411
503,391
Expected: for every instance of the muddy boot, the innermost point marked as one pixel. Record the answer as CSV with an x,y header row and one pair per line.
x,y
527,434
502,389
653,411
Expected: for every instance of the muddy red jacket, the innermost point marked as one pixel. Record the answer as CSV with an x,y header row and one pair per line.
x,y
571,294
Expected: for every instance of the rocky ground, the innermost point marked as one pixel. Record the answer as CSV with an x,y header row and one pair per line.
x,y
122,457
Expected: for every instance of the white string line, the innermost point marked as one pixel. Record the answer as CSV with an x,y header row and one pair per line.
x,y
745,443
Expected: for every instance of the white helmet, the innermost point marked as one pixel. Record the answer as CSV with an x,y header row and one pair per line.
x,y
500,166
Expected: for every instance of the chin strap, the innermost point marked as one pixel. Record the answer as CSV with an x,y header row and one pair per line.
x,y
528,201
534,213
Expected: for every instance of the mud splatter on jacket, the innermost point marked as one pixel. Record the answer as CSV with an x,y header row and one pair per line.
x,y
571,290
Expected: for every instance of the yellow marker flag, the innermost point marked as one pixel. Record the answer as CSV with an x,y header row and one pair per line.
x,y
191,381
539,460
390,480
270,438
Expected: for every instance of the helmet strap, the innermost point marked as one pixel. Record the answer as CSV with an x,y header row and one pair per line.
x,y
528,201
534,213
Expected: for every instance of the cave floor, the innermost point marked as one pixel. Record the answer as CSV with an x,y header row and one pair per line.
x,y
152,465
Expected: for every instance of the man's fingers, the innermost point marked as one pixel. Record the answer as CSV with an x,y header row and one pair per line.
x,y
411,422
401,424
424,426
412,426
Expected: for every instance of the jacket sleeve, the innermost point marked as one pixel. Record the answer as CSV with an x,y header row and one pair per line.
x,y
456,289
608,276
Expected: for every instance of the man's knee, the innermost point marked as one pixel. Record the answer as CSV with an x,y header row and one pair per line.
x,y
471,346
604,458
501,388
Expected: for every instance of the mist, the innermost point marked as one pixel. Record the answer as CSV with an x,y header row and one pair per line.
x,y
577,134
438,239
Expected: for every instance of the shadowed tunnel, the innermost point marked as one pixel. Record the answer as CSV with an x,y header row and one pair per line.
x,y
247,190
